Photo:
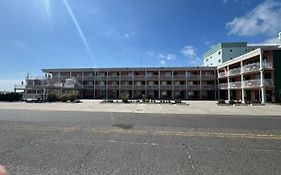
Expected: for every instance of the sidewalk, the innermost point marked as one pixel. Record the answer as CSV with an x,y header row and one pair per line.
x,y
194,107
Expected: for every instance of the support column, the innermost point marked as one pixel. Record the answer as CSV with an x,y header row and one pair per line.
x,y
145,87
173,86
159,85
263,98
186,90
119,85
133,84
201,95
242,85
228,85
95,75
106,86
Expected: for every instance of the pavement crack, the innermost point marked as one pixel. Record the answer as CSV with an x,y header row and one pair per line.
x,y
83,161
189,156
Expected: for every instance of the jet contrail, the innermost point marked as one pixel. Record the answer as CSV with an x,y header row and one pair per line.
x,y
47,8
78,28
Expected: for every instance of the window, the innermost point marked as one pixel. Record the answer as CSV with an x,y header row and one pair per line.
x,y
230,58
230,50
219,53
219,60
246,50
207,60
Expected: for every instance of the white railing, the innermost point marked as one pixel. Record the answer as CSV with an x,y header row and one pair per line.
x,y
223,85
267,65
235,71
235,85
222,74
251,83
251,67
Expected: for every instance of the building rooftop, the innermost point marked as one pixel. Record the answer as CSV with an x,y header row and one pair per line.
x,y
224,45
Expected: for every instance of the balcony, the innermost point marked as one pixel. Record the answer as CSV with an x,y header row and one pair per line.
x,y
113,77
251,67
152,77
166,77
208,77
222,75
235,71
251,83
139,87
89,86
89,77
179,77
101,87
101,78
208,87
139,77
126,77
267,65
193,87
152,87
180,87
126,87
193,77
166,87
113,87
223,86
268,82
235,85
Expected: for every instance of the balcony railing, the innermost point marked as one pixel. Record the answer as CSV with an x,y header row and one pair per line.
x,y
166,87
88,86
152,87
267,65
89,77
126,77
251,67
113,77
208,77
139,77
152,77
208,87
222,74
180,87
139,87
268,82
102,78
235,85
179,77
166,77
235,71
193,87
193,77
223,85
113,87
126,87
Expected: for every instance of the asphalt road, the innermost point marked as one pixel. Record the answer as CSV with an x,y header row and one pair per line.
x,y
58,143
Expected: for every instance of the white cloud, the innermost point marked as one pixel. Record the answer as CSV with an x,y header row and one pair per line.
x,y
264,19
190,53
165,58
130,35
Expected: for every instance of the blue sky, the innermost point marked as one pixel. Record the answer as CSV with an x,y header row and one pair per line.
x,y
36,34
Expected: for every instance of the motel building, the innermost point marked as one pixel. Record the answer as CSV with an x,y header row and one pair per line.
x,y
254,76
195,83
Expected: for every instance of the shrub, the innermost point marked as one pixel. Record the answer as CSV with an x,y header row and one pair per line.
x,y
73,97
65,98
11,97
125,98
221,102
231,102
178,101
53,98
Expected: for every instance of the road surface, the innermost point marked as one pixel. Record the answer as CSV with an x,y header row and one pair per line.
x,y
66,143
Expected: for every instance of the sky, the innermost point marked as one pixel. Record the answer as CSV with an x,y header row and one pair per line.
x,y
37,34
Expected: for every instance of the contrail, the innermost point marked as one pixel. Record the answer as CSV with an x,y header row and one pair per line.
x,y
83,38
47,8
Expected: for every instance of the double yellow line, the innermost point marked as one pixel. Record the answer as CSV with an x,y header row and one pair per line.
x,y
150,132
